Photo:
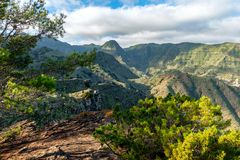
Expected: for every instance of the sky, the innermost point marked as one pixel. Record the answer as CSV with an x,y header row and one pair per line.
x,y
131,22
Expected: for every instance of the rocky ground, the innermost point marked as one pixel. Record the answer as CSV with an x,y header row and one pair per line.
x,y
71,139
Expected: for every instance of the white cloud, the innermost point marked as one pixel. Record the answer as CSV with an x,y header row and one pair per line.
x,y
209,21
60,5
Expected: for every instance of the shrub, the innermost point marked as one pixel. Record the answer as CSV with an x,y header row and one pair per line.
x,y
210,144
4,56
87,94
44,82
174,127
19,98
12,133
24,102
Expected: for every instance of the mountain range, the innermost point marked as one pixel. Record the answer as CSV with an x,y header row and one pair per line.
x,y
193,69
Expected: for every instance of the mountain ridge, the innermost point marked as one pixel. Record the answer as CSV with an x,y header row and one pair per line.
x,y
150,58
194,69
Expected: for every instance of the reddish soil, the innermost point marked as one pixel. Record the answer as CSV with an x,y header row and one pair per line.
x,y
71,139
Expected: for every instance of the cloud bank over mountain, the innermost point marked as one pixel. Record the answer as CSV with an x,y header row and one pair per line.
x,y
131,22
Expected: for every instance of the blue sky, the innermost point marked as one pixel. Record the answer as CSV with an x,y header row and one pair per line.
x,y
71,5
143,21
122,3
74,4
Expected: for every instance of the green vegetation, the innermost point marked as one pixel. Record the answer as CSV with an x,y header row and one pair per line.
x,y
85,59
4,55
220,93
34,96
26,102
11,134
18,100
175,127
44,82
16,19
209,144
73,61
220,61
15,44
87,94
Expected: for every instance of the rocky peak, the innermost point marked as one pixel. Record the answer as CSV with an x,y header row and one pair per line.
x,y
112,47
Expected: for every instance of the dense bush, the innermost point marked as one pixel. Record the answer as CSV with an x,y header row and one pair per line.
x,y
175,127
15,44
44,82
209,144
35,99
4,55
20,98
25,102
